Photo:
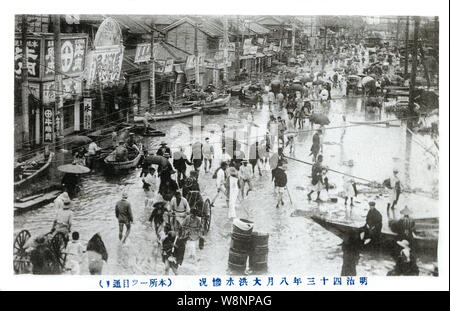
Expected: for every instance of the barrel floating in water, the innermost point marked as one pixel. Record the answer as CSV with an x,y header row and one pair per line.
x,y
237,261
259,253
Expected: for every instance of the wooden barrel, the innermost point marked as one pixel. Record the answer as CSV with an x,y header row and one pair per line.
x,y
237,261
242,226
259,252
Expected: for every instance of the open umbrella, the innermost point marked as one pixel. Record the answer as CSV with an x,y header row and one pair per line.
x,y
156,159
73,169
78,141
366,80
319,118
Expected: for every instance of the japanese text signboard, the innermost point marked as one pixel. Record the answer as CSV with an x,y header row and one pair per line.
x,y
33,57
70,87
143,53
104,65
48,124
87,113
73,52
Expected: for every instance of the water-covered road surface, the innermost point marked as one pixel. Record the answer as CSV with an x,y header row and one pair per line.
x,y
296,244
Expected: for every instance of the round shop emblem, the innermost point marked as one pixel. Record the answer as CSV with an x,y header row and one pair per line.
x,y
48,114
66,56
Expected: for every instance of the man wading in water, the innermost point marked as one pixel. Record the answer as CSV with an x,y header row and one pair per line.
x,y
124,216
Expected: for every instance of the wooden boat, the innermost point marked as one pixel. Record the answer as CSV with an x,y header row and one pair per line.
x,y
426,241
216,110
170,115
35,201
216,103
125,165
28,172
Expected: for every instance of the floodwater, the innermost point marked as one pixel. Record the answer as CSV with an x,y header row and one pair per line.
x,y
297,245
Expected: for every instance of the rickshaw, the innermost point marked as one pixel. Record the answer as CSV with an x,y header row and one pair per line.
x,y
55,242
192,194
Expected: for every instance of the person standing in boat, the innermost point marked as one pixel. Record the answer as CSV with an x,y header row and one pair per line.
x,y
395,185
405,227
374,223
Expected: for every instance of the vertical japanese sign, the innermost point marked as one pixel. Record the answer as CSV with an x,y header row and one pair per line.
x,y
33,53
104,65
169,66
48,124
87,113
73,52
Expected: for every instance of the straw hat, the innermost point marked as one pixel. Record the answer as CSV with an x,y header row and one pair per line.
x,y
403,243
395,171
406,211
124,195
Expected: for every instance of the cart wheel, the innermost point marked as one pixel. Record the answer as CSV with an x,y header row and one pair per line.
x,y
21,260
58,245
206,216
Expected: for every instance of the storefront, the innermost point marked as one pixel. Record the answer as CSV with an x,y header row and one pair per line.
x,y
41,75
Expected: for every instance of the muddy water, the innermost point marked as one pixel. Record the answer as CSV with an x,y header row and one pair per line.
x,y
296,244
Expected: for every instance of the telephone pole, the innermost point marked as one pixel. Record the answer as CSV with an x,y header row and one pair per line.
x,y
58,77
406,46
225,50
412,84
152,69
398,30
197,69
293,38
24,87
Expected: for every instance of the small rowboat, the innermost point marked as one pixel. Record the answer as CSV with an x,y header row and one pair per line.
x,y
170,115
216,110
426,241
30,173
218,102
125,165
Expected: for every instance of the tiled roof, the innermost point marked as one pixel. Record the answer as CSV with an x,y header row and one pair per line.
x,y
207,27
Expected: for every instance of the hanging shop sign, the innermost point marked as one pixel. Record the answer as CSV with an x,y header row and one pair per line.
x,y
33,57
71,88
104,66
87,112
108,33
48,124
73,54
143,53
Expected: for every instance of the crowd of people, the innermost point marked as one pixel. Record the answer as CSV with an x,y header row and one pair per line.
x,y
176,201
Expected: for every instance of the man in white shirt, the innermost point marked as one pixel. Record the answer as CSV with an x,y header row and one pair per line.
x,y
93,148
245,175
220,182
208,154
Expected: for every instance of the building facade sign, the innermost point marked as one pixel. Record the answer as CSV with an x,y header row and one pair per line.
x,y
104,66
33,57
87,112
108,34
73,54
71,87
48,121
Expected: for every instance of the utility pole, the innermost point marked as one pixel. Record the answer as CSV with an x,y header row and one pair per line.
x,y
293,38
398,31
324,48
225,50
197,69
152,69
412,84
24,87
58,77
406,46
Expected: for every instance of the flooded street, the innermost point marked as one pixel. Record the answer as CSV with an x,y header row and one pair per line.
x,y
297,245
